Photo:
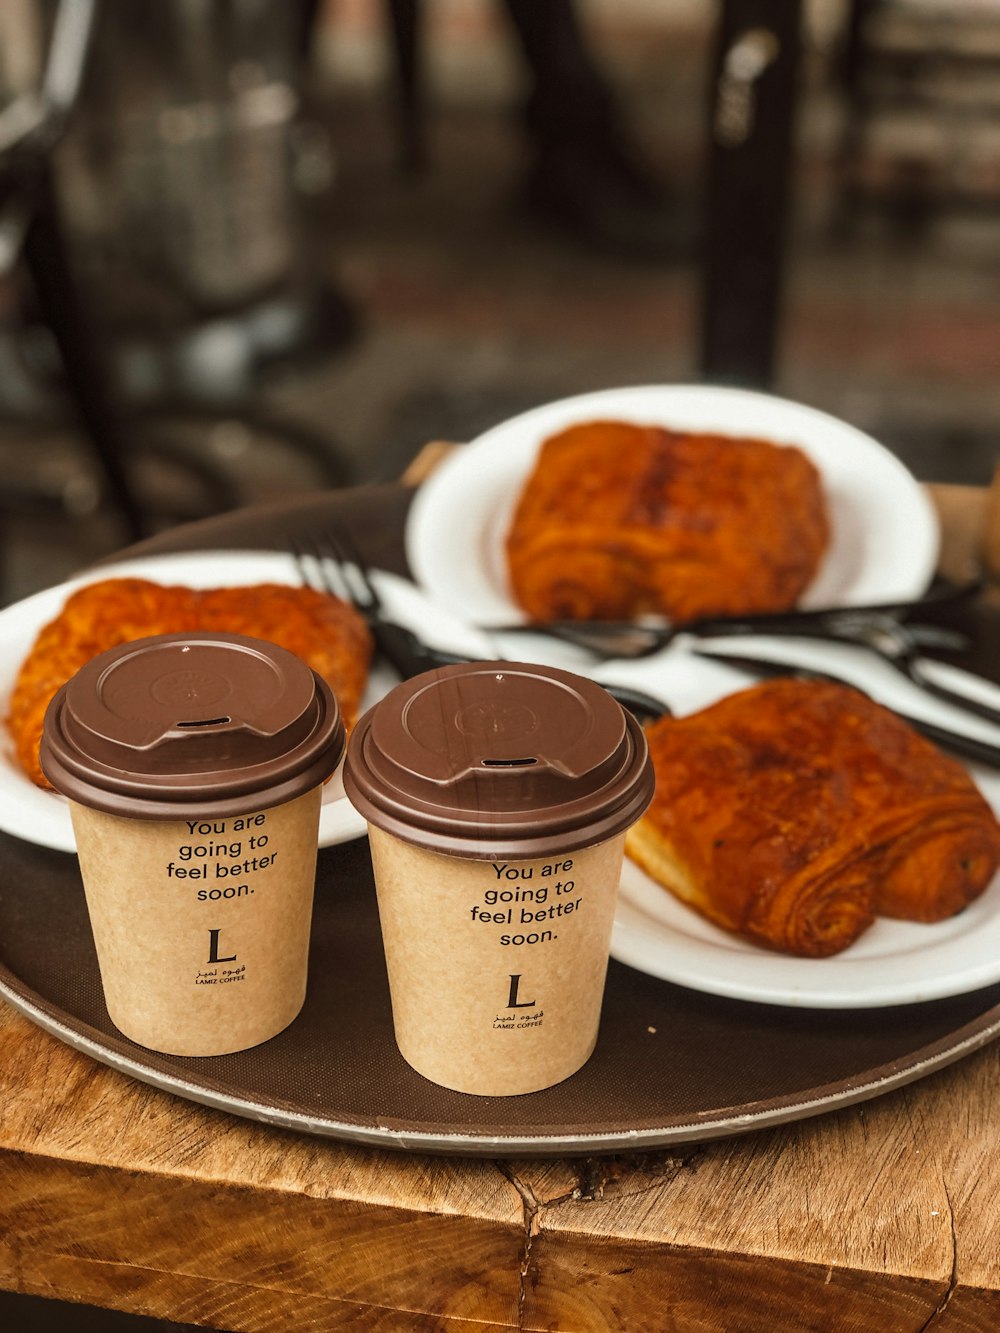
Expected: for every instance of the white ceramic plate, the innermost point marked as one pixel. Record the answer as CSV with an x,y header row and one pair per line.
x,y
893,962
43,817
885,534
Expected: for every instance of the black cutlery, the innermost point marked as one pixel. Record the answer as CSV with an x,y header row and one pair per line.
x,y
646,635
878,630
332,562
900,645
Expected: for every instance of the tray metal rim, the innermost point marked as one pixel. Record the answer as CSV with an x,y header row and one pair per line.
x,y
971,1037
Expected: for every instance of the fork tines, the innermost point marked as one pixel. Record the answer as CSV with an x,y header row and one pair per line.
x,y
333,563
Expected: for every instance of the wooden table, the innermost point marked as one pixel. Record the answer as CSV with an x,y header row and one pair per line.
x,y
882,1215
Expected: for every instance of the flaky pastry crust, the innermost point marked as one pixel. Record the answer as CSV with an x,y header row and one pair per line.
x,y
796,811
327,633
620,519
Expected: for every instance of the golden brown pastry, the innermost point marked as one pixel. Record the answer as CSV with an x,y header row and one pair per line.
x,y
327,633
619,519
796,811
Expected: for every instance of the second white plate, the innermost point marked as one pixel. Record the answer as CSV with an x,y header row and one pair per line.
x,y
893,962
885,532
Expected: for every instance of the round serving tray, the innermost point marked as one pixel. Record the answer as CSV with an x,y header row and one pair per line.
x,y
671,1065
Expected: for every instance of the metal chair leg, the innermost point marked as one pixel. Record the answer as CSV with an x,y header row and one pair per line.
x,y
86,376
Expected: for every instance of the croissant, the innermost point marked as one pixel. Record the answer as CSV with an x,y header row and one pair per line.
x,y
794,812
620,519
327,633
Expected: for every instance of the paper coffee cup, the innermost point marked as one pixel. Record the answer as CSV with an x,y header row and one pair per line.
x,y
193,764
497,796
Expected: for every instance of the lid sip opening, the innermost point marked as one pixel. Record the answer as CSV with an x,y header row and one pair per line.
x,y
487,759
139,730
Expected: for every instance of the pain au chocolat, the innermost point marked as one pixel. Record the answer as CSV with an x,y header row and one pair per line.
x,y
328,634
619,519
796,811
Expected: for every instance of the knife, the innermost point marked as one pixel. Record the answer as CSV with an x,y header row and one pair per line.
x,y
647,634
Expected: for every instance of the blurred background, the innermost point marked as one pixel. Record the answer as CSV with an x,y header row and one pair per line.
x,y
252,248
249,249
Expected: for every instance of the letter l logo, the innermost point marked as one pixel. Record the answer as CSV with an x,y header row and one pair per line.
x,y
512,1001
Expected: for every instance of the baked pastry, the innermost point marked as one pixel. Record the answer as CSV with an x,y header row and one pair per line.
x,y
620,519
327,633
796,811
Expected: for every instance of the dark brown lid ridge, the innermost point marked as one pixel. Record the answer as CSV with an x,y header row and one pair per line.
x,y
491,759
180,724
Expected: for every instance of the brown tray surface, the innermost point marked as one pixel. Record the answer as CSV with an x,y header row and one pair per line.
x,y
671,1065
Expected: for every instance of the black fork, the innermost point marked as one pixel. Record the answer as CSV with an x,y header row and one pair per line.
x,y
896,644
332,562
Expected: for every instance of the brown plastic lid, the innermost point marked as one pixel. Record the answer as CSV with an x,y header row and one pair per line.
x,y
188,724
499,759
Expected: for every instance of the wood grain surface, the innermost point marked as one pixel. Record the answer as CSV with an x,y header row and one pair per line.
x,y
881,1216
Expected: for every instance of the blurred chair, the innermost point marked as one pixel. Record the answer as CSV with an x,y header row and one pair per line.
x,y
219,231
750,132
189,169
31,232
920,82
406,32
750,125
